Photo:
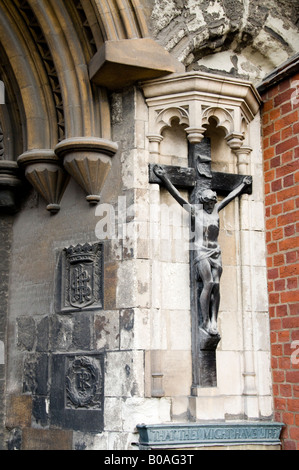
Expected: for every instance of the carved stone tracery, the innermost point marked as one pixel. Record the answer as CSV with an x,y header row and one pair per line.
x,y
222,116
195,99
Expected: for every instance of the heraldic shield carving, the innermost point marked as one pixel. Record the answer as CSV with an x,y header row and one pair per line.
x,y
82,277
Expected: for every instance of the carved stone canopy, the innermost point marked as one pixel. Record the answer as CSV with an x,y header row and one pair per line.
x,y
194,98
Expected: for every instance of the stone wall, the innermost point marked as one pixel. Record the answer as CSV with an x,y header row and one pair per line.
x,y
139,343
6,232
39,332
246,39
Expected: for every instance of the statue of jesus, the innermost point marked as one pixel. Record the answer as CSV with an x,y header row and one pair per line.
x,y
207,259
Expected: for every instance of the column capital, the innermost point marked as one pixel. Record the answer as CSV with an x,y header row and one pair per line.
x,y
195,134
234,140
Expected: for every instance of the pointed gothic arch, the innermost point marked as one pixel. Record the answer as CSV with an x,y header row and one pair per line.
x,y
58,60
48,45
45,49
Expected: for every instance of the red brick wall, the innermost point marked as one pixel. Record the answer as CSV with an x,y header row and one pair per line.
x,y
280,116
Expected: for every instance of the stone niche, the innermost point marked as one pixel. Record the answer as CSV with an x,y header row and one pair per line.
x,y
183,110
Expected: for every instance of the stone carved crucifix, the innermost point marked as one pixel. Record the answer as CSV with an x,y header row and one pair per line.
x,y
205,257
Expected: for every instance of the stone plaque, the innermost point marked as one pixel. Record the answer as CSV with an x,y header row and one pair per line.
x,y
77,392
83,383
82,278
176,435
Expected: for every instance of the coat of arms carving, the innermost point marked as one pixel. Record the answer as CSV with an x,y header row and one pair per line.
x,y
82,277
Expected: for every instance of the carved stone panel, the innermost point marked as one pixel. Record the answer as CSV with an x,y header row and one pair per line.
x,y
77,392
81,281
83,384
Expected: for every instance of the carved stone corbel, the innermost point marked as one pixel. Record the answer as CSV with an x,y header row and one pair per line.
x,y
88,161
44,171
234,140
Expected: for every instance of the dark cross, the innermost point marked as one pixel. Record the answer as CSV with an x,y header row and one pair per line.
x,y
199,173
198,178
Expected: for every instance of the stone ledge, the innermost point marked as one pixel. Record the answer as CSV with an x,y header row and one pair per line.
x,y
119,64
197,435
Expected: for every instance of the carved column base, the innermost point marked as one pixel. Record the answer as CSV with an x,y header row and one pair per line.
x,y
10,184
44,172
88,161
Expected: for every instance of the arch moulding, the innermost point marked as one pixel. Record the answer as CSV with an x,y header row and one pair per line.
x,y
61,58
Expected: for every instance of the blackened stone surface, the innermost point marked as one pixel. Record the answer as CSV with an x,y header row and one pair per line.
x,y
46,439
42,339
26,333
14,440
72,332
35,379
82,337
39,411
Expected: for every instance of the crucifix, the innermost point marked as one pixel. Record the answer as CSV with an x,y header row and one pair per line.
x,y
205,255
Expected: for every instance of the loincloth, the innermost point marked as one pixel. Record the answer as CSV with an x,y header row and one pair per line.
x,y
213,256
